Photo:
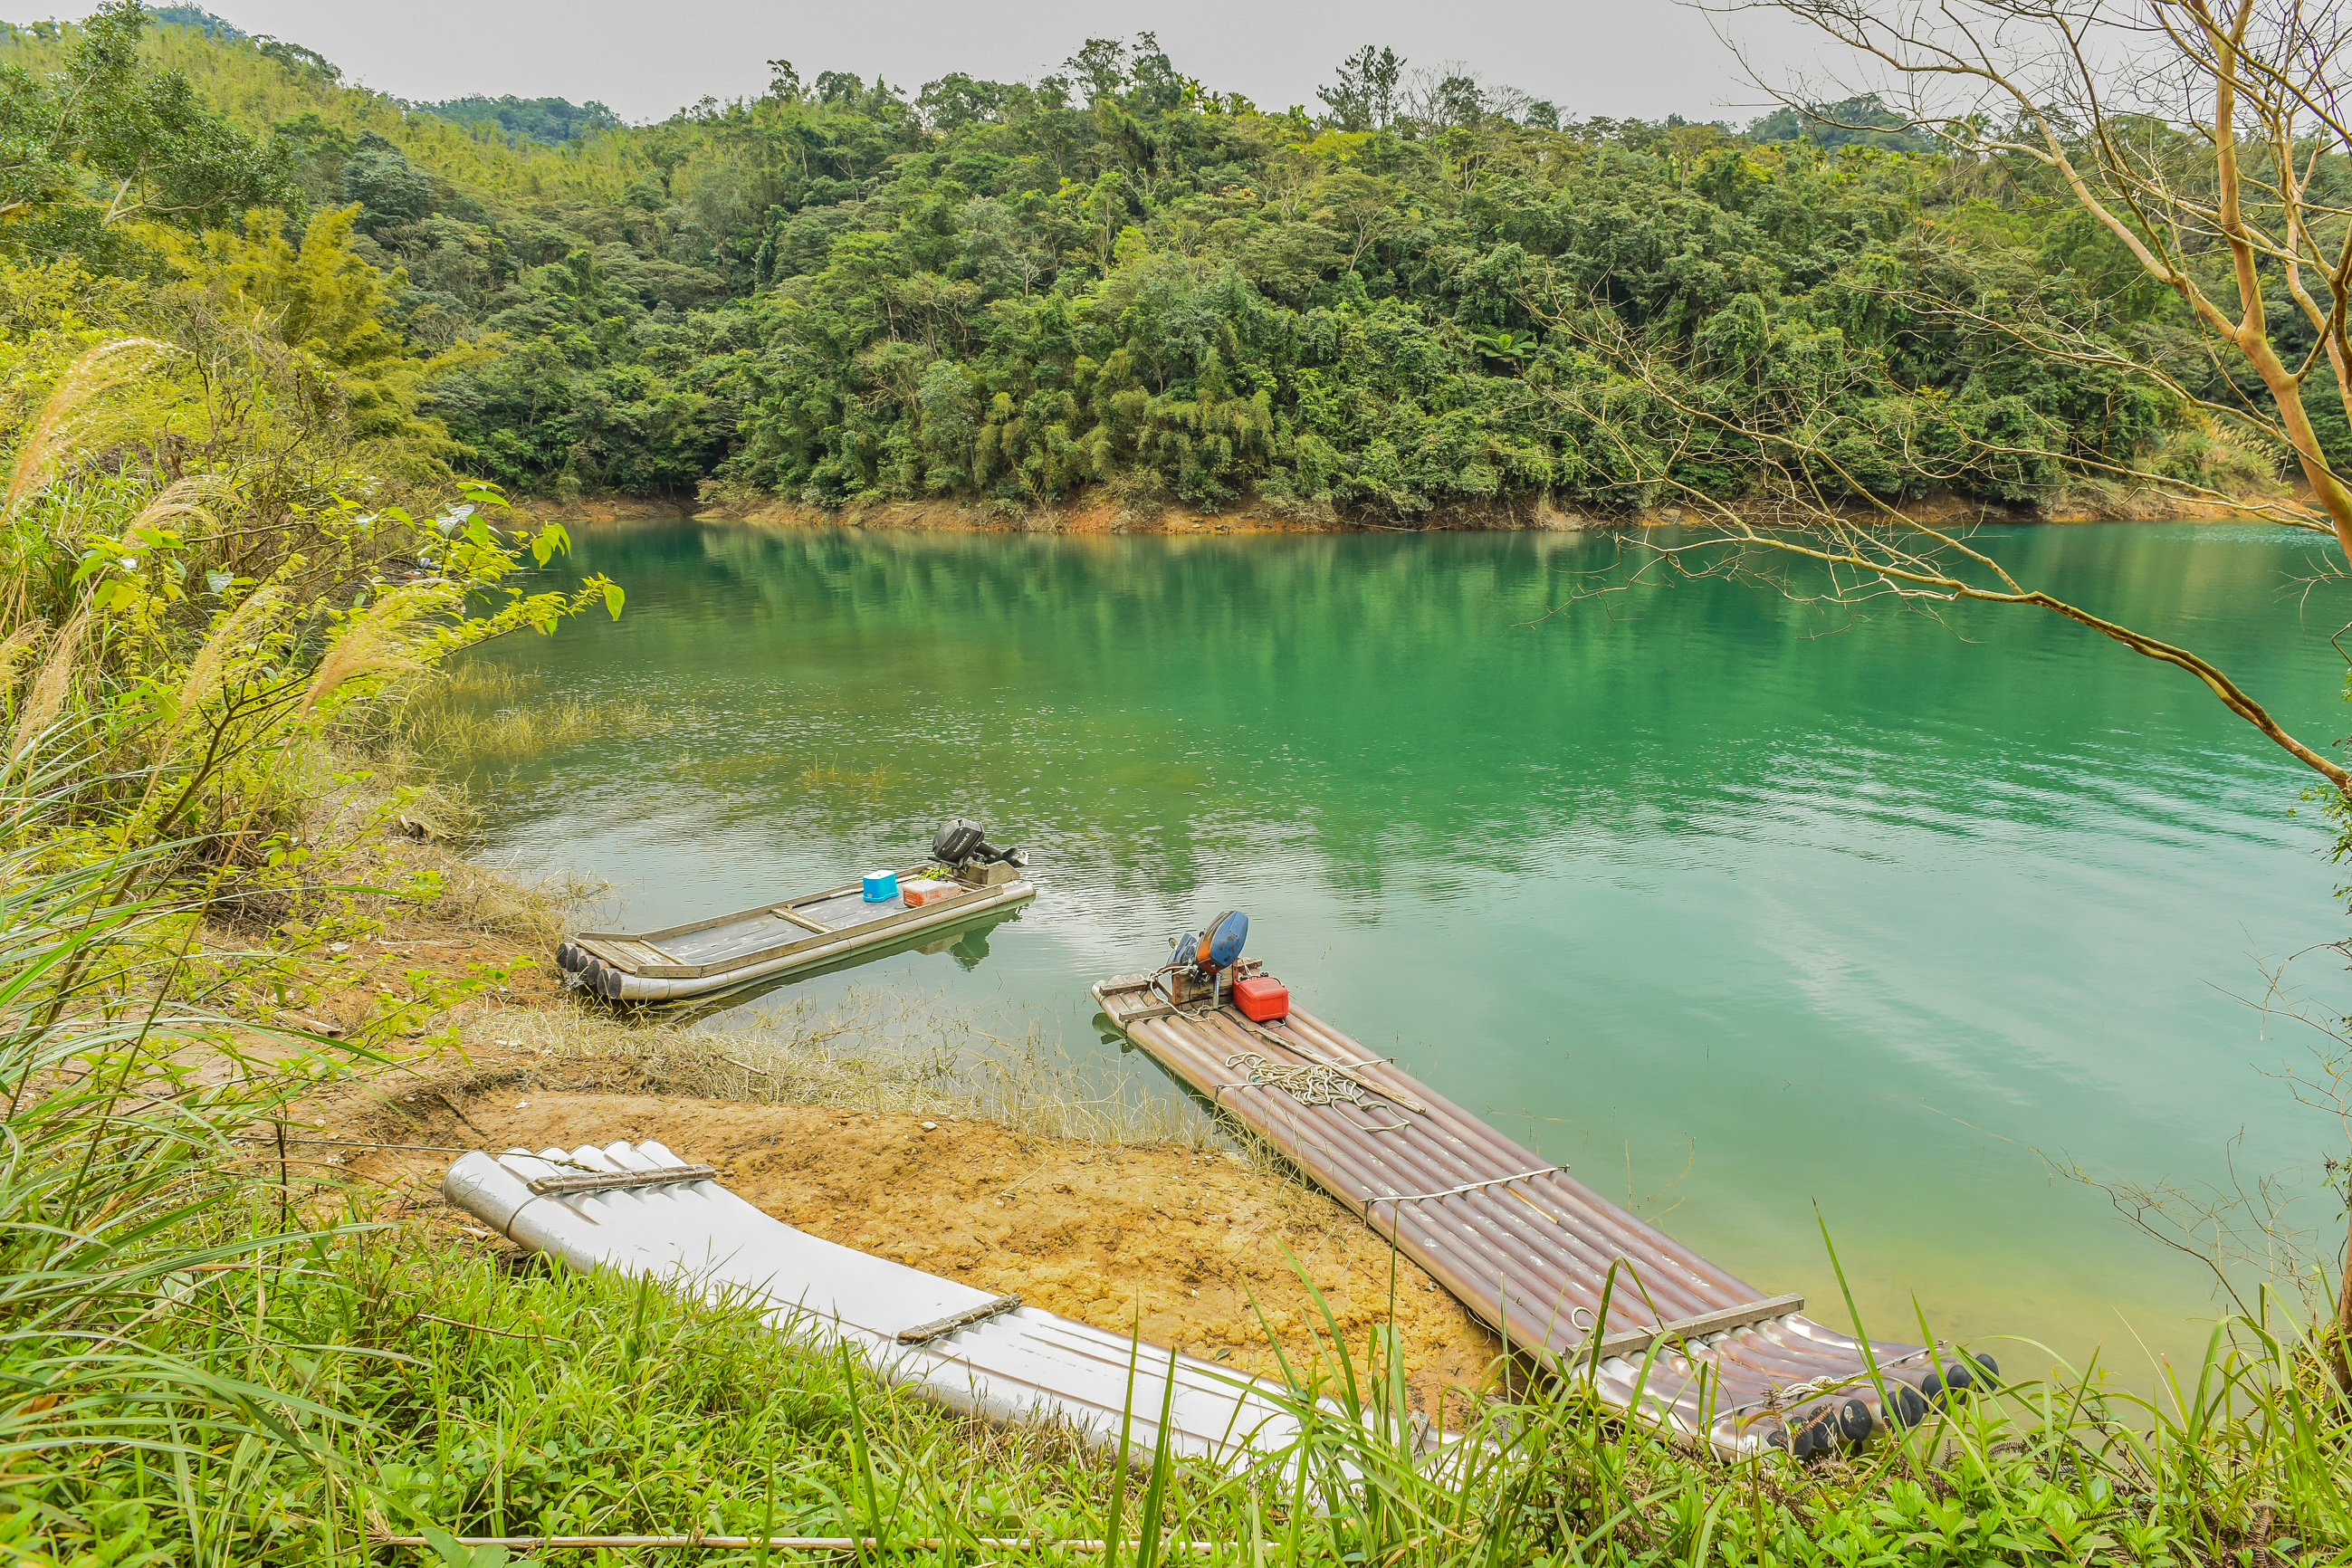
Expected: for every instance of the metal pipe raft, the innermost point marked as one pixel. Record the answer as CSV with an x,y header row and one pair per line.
x,y
1575,1281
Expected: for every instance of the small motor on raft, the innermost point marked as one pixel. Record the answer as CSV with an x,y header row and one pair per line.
x,y
1205,963
961,846
1217,945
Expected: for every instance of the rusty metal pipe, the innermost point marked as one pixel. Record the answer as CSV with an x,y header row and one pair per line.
x,y
1476,1135
1511,1241
1798,1350
1544,1290
1468,1271
1611,1219
1376,1160
1674,1287
1467,1261
1432,1167
1502,1211
1502,1207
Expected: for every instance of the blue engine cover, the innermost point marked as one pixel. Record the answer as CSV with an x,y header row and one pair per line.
x,y
1222,943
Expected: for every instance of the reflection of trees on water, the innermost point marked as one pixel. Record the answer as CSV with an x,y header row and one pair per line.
x,y
1152,706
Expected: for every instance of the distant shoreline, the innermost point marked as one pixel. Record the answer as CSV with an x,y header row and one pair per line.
x,y
1098,514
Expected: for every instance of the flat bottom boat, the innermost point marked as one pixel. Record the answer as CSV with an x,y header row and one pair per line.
x,y
814,930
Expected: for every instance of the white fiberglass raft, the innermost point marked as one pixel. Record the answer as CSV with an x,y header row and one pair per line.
x,y
641,1210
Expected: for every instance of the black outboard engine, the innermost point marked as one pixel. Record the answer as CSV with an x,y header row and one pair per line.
x,y
952,845
961,841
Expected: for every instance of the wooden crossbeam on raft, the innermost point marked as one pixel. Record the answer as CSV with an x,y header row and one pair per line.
x,y
1706,1323
620,1181
938,1328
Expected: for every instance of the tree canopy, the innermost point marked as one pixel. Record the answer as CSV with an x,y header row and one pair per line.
x,y
103,140
548,120
1003,293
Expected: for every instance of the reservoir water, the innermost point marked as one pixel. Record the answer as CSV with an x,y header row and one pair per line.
x,y
1769,920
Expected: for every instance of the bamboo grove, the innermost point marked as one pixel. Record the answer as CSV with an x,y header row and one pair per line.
x,y
1410,300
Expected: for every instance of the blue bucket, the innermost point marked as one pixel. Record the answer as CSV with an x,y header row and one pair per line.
x,y
881,887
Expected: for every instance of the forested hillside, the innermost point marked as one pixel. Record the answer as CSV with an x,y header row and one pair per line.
x,y
1425,292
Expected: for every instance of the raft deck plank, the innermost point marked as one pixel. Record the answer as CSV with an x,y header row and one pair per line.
x,y
1532,1252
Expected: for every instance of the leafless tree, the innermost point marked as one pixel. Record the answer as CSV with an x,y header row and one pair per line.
x,y
2070,84
2196,134
2191,131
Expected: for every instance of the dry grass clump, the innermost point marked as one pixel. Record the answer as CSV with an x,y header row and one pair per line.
x,y
833,775
454,723
384,849
480,683
878,1051
481,898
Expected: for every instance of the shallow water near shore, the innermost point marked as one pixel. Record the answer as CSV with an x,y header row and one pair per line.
x,y
1748,913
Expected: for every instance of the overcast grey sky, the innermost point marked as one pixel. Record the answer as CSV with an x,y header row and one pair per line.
x,y
648,57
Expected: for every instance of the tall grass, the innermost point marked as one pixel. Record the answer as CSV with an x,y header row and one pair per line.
x,y
124,1204
2246,1457
450,727
478,1399
188,652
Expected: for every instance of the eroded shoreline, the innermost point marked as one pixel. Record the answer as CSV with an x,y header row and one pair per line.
x,y
1096,514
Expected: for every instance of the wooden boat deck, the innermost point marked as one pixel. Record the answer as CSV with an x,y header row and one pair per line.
x,y
1564,1275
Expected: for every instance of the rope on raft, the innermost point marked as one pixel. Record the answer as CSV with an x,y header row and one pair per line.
x,y
1310,1084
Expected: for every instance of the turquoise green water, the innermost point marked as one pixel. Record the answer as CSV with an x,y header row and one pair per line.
x,y
1738,910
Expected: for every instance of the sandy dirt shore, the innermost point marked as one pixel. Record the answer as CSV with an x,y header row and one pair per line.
x,y
1196,1247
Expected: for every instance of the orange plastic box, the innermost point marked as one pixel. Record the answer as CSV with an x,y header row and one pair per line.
x,y
1260,999
924,890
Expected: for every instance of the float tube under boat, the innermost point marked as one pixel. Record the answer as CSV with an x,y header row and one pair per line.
x,y
1567,1277
966,877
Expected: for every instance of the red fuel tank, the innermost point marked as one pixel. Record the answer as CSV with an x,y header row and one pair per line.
x,y
1260,999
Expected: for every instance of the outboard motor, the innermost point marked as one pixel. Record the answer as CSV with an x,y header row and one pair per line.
x,y
961,841
952,845
1198,963
1220,945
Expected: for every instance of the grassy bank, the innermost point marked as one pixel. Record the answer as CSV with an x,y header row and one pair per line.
x,y
1102,511
417,1388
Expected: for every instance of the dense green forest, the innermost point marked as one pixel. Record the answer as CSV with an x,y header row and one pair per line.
x,y
547,120
1426,292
